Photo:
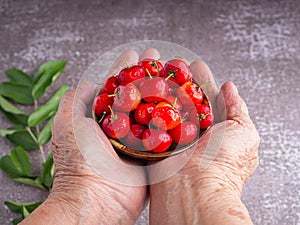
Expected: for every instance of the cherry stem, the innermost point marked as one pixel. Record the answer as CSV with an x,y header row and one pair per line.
x,y
203,116
170,75
156,66
102,117
112,117
149,74
112,95
174,103
184,118
204,84
126,62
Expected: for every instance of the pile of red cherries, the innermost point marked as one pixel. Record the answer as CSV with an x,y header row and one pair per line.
x,y
153,106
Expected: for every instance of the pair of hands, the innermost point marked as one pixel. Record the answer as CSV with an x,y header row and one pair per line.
x,y
221,162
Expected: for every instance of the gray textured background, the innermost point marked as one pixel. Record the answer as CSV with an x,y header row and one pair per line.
x,y
256,44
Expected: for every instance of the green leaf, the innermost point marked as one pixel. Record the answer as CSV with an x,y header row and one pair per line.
x,y
3,133
25,211
12,113
16,119
17,92
47,110
12,130
23,208
17,164
10,108
21,137
21,160
45,134
17,207
34,181
17,220
19,77
47,172
7,166
46,74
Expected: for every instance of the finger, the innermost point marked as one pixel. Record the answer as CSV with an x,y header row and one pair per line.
x,y
75,102
98,152
202,74
231,105
96,142
150,53
130,57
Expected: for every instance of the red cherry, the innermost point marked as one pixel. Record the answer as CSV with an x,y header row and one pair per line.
x,y
110,85
127,98
131,74
134,136
172,99
143,112
190,93
154,67
178,71
131,117
165,116
203,117
154,90
184,133
156,140
116,125
102,103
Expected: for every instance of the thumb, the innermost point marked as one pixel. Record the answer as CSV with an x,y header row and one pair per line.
x,y
231,105
76,101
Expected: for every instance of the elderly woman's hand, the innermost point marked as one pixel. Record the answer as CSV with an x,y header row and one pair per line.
x,y
83,191
208,188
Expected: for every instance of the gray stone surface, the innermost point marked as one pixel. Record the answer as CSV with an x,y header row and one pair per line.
x,y
253,43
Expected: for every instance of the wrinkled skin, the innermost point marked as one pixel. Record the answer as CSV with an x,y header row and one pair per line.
x,y
71,167
237,157
80,195
208,189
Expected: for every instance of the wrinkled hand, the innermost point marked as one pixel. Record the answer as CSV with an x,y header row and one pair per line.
x,y
228,153
207,189
77,181
228,150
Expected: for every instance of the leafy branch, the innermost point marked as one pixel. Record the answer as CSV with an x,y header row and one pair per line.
x,y
30,131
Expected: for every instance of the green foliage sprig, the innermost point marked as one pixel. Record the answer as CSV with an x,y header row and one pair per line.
x,y
29,131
